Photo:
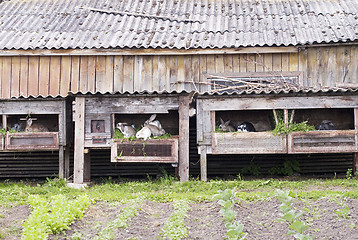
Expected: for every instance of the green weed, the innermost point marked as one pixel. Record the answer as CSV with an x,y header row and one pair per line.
x,y
52,216
108,232
226,199
344,212
292,216
174,228
288,168
252,169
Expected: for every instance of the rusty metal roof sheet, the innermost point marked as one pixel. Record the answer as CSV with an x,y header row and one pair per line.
x,y
306,90
181,24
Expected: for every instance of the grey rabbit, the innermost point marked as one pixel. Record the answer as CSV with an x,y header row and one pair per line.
x,y
126,129
225,126
154,126
17,127
151,128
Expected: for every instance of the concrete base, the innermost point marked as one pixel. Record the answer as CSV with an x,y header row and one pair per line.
x,y
78,185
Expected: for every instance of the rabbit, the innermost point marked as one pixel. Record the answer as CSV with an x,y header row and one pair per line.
x,y
325,125
151,119
156,132
126,129
155,123
154,126
225,126
17,127
144,133
246,127
34,127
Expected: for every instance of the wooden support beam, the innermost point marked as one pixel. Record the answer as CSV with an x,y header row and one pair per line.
x,y
285,114
4,121
292,115
64,162
355,162
203,164
61,162
275,116
87,167
79,159
67,162
184,138
355,155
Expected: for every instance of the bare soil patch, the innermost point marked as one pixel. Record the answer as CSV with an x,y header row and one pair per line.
x,y
204,220
11,220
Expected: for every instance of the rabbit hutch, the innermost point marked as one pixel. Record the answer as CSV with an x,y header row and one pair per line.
x,y
301,122
34,124
97,118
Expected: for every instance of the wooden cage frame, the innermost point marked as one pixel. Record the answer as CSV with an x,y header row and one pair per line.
x,y
39,141
104,107
211,142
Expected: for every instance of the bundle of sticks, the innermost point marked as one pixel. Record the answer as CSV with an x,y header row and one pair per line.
x,y
220,83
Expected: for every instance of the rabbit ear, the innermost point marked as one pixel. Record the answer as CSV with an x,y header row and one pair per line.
x,y
221,121
151,119
227,123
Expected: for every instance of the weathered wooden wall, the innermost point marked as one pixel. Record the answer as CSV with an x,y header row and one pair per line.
x,y
58,75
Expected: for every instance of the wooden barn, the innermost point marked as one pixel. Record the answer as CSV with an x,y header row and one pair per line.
x,y
123,61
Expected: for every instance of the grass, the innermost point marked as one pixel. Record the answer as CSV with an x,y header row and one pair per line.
x,y
167,189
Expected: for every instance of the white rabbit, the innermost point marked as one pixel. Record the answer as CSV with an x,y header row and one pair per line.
x,y
144,133
35,127
126,129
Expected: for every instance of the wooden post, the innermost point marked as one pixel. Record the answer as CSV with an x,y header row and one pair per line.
x,y
67,162
64,162
355,155
4,121
275,116
184,138
285,114
61,162
79,159
203,164
87,167
355,162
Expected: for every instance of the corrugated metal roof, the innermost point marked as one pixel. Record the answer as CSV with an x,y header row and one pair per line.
x,y
182,24
306,90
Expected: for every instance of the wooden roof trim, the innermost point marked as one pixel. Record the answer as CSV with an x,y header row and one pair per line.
x,y
111,52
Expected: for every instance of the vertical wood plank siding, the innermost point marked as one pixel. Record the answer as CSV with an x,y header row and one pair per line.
x,y
56,75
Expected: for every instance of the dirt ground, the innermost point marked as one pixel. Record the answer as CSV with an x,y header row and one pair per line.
x,y
204,220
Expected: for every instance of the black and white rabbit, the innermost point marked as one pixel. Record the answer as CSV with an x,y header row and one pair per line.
x,y
246,127
325,125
